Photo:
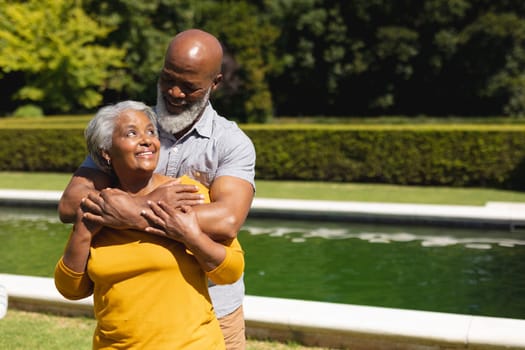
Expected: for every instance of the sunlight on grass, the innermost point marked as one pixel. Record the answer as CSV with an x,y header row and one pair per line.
x,y
358,192
22,330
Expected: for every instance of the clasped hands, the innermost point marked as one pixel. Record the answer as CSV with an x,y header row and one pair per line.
x,y
166,211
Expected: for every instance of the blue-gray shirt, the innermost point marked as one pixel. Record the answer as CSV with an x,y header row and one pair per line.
x,y
213,147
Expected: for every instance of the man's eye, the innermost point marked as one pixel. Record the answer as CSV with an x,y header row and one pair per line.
x,y
190,89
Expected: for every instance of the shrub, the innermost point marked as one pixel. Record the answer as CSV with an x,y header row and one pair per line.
x,y
28,111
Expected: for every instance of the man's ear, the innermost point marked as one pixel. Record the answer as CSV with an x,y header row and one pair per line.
x,y
217,81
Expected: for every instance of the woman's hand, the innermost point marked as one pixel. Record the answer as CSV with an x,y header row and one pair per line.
x,y
179,224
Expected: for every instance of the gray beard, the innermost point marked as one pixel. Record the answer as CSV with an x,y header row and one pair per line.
x,y
175,123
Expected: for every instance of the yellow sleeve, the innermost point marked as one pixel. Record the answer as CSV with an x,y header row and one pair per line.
x,y
71,284
232,267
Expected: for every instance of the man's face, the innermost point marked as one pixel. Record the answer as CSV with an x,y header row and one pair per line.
x,y
181,98
181,88
175,123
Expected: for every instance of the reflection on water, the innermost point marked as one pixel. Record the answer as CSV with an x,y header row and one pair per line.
x,y
476,272
477,240
426,268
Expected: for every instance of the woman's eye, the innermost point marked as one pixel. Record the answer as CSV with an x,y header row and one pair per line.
x,y
131,133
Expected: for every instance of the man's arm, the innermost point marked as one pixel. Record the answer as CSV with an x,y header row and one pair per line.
x,y
222,219
231,200
84,181
118,209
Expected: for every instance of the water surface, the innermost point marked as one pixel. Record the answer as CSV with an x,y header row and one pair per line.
x,y
477,272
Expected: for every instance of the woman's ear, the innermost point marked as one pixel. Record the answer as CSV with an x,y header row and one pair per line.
x,y
106,156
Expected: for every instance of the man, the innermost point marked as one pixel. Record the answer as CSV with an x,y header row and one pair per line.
x,y
195,141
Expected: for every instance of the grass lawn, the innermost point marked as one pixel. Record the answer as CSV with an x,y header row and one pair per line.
x,y
312,190
22,330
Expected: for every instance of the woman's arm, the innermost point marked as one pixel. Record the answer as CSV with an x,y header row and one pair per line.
x,y
223,263
231,200
71,278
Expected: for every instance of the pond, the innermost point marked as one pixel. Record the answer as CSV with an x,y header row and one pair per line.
x,y
466,271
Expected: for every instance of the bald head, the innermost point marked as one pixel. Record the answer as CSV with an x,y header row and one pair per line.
x,y
195,50
192,70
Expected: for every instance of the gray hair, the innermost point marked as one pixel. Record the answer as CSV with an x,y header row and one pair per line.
x,y
99,131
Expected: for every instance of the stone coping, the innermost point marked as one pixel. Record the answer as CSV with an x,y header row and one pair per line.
x,y
318,323
496,214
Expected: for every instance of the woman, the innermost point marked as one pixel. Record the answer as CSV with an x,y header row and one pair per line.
x,y
150,291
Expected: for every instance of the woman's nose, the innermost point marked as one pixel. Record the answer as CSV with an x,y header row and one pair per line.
x,y
146,139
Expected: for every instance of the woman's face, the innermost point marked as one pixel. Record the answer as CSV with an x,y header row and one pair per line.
x,y
135,144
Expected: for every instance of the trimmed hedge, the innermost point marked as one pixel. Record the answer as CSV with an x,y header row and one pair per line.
x,y
51,150
492,156
411,156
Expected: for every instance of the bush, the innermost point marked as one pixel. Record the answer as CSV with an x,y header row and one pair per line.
x,y
463,156
28,111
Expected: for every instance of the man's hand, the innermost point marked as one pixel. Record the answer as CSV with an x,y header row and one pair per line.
x,y
120,210
113,208
177,194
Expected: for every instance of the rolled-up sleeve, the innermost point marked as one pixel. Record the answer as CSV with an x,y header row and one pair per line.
x,y
71,284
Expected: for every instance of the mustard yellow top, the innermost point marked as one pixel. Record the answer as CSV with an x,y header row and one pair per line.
x,y
149,292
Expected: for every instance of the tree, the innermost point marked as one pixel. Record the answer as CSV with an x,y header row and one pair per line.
x,y
499,41
145,28
248,39
53,44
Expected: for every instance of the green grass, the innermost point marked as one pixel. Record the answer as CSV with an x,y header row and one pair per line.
x,y
22,330
313,190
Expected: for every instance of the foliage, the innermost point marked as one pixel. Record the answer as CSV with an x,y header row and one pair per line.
x,y
440,155
503,32
54,44
434,57
145,29
418,156
248,41
28,111
283,57
49,150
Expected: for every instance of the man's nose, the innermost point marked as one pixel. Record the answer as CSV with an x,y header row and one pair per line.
x,y
176,92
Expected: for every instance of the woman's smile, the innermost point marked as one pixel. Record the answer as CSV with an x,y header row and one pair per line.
x,y
135,144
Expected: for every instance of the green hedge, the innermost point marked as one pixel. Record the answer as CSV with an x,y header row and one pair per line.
x,y
490,156
416,156
52,150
